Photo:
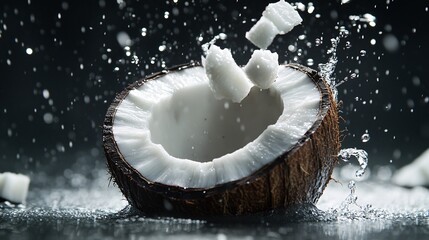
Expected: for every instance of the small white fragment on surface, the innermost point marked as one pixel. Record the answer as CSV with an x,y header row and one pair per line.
x,y
226,79
262,33
414,174
14,187
278,18
262,68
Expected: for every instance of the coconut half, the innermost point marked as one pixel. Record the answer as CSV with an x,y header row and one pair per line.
x,y
172,146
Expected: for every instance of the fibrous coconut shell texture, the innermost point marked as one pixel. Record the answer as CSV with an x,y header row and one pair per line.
x,y
297,176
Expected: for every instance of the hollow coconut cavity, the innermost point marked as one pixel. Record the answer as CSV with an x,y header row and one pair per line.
x,y
172,146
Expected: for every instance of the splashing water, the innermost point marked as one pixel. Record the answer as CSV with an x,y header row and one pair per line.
x,y
350,209
359,154
327,69
206,46
351,199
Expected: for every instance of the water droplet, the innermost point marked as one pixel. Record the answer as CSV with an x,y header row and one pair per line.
x,y
162,48
29,51
365,137
310,9
123,39
351,185
291,48
226,105
48,118
388,107
344,32
362,53
410,103
87,99
391,43
310,62
135,59
166,15
416,81
348,45
45,93
144,32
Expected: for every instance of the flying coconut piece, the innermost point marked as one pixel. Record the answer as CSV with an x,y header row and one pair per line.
x,y
414,174
262,68
262,33
278,18
283,15
14,187
226,79
167,139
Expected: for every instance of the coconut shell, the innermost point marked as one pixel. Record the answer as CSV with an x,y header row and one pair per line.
x,y
297,176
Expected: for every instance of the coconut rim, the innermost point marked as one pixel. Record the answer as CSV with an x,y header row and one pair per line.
x,y
114,155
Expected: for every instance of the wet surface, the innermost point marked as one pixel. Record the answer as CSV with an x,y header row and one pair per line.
x,y
98,211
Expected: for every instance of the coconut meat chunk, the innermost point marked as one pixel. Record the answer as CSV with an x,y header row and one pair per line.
x,y
262,33
226,79
277,18
14,187
282,15
173,131
262,68
414,174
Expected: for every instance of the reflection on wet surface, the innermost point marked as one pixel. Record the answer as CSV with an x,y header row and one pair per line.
x,y
95,210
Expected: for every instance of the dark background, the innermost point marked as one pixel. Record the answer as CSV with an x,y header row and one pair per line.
x,y
76,57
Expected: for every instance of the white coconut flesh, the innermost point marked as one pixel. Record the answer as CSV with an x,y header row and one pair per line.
x,y
175,132
14,187
277,18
